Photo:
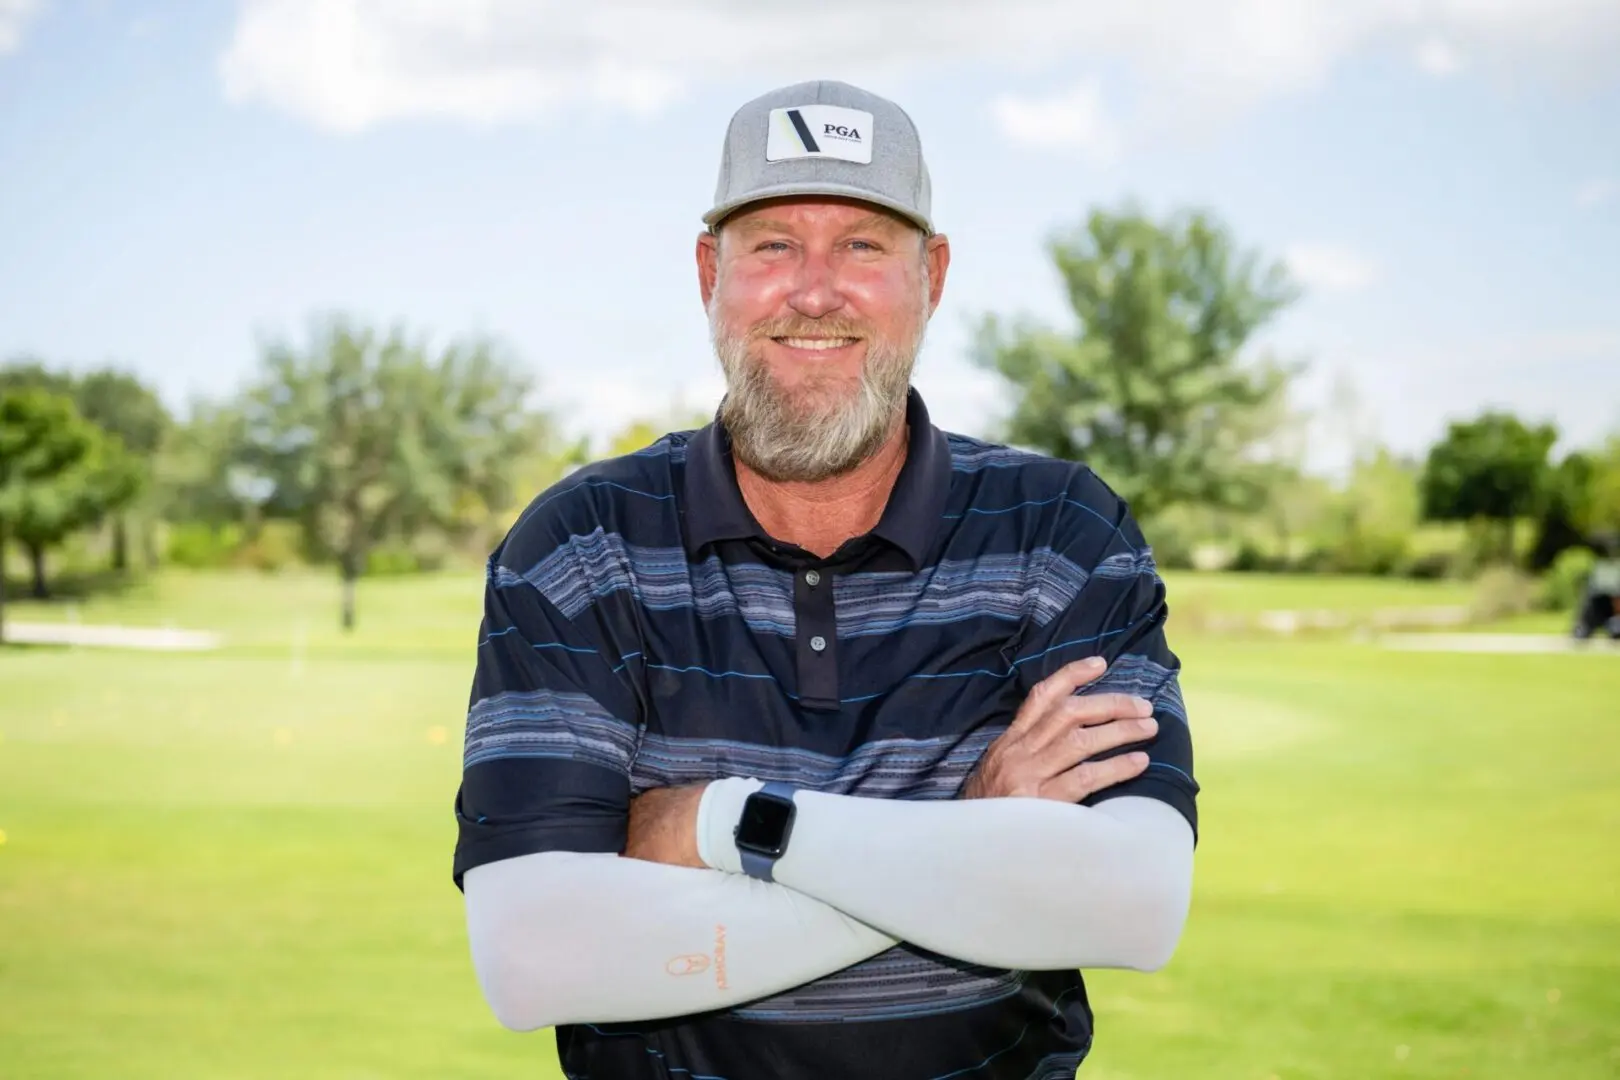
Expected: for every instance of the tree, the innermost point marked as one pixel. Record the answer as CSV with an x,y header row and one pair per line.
x,y
203,475
642,433
1488,471
1378,513
1565,504
42,439
31,373
121,405
101,482
1148,387
1600,517
368,438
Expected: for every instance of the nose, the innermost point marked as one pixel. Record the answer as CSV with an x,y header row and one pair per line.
x,y
815,288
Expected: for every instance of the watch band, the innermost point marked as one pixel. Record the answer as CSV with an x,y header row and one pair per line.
x,y
755,864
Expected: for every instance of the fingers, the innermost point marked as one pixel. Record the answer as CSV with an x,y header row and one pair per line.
x,y
1055,687
1088,778
1083,711
1080,742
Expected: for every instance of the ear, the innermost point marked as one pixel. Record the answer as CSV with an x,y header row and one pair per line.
x,y
708,265
937,252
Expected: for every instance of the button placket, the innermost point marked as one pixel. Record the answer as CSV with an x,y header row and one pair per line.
x,y
815,622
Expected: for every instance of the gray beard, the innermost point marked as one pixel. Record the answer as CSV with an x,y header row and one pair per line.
x,y
821,430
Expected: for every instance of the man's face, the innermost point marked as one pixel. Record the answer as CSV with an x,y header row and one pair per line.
x,y
817,308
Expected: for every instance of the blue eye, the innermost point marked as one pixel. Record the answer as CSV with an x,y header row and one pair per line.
x,y
773,245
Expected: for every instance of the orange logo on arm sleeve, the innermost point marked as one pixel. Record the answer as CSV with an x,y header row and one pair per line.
x,y
720,956
690,964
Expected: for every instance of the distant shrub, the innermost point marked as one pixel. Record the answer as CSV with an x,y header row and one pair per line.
x,y
1171,542
1252,558
278,545
419,555
1565,582
198,546
1431,566
1439,550
392,560
1503,591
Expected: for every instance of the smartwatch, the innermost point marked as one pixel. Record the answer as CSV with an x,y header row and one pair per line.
x,y
762,834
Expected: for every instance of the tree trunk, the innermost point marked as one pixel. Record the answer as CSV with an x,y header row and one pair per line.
x,y
36,555
350,566
149,547
120,560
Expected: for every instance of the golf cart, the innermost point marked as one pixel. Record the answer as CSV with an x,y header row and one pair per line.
x,y
1599,607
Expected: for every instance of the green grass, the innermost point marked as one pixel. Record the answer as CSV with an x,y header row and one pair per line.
x,y
268,612
1250,594
278,613
232,865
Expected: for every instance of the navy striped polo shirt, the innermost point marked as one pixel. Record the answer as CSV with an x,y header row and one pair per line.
x,y
642,631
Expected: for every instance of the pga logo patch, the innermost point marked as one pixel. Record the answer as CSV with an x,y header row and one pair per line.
x,y
819,131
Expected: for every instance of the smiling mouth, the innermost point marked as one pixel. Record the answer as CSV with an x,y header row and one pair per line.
x,y
815,344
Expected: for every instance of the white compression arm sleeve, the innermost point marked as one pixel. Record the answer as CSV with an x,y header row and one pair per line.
x,y
563,937
1012,883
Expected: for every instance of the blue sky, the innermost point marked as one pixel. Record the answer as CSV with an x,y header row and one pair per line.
x,y
178,181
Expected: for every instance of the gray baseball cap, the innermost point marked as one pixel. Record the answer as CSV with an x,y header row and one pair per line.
x,y
823,138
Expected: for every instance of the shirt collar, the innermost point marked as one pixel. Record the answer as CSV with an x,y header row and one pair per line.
x,y
713,508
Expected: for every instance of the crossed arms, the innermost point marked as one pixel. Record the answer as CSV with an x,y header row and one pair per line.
x,y
561,937
1062,851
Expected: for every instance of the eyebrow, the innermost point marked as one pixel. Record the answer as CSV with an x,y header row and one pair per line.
x,y
875,220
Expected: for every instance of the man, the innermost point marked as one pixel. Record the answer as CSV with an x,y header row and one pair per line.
x,y
775,765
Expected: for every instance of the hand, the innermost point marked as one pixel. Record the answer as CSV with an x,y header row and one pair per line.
x,y
663,826
1044,753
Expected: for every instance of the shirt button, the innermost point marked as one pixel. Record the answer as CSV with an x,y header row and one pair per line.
x,y
812,578
818,643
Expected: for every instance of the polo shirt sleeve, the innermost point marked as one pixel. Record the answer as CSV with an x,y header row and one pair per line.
x,y
1105,598
551,731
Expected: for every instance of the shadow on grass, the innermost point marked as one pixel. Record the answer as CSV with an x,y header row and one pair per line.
x,y
19,647
75,586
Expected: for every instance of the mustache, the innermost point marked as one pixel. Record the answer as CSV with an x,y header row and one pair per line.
x,y
799,326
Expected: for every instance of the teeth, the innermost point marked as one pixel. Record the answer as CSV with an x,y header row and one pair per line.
x,y
817,343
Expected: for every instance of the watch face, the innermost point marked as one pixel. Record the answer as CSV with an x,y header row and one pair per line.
x,y
764,824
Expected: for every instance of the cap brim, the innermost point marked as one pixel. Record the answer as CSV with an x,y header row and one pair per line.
x,y
847,191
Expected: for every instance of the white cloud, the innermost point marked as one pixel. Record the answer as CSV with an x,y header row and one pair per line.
x,y
1439,59
14,15
1331,269
1595,193
349,64
1075,120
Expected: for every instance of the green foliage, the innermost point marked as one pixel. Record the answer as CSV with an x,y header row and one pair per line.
x,y
1490,470
1148,387
1600,518
103,480
199,545
136,422
1503,591
1566,503
1565,582
365,438
122,405
642,433
48,457
1377,514
204,475
31,373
